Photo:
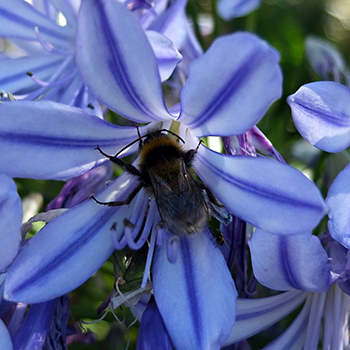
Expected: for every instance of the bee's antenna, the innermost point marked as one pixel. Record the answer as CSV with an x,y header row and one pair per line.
x,y
180,138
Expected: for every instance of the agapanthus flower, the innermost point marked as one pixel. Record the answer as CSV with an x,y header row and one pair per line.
x,y
314,277
221,97
46,33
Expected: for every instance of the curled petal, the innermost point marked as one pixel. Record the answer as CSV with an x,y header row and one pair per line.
x,y
195,315
254,315
321,113
338,200
47,140
167,55
10,221
5,338
290,261
69,249
269,195
123,73
231,86
229,9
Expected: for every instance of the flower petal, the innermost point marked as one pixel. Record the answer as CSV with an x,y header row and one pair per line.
x,y
196,295
338,200
254,315
69,249
231,86
152,333
173,23
167,55
123,72
19,18
229,9
290,261
293,338
325,58
35,326
5,338
321,113
269,195
47,140
10,221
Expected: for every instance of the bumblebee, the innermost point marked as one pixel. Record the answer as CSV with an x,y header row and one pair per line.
x,y
165,171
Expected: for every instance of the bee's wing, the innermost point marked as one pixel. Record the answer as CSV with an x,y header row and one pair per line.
x,y
181,203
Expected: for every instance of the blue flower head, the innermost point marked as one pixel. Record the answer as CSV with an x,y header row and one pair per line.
x,y
227,92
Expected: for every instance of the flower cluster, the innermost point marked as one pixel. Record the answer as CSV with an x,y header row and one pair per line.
x,y
176,225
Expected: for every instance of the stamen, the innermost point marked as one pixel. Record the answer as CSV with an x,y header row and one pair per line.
x,y
146,273
49,47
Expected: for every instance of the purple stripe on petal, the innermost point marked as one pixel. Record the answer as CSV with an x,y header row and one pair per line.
x,y
201,290
44,139
231,86
282,262
293,338
261,191
254,315
69,249
321,114
123,72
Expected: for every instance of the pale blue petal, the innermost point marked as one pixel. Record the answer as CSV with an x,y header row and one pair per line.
x,y
48,140
5,338
196,295
68,250
10,221
18,19
13,75
167,55
269,195
321,113
229,9
254,315
123,72
338,200
290,261
231,86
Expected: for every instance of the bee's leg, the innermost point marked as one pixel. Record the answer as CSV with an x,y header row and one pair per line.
x,y
210,195
124,202
189,155
127,167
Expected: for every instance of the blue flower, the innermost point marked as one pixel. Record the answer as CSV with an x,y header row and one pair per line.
x,y
221,97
